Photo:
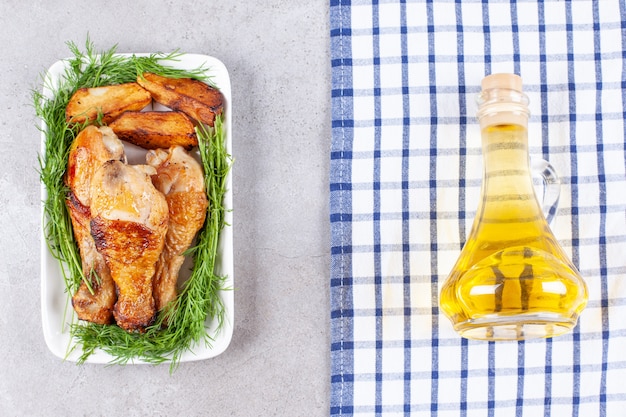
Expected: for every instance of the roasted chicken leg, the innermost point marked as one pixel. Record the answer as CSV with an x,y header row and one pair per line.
x,y
91,148
128,223
180,178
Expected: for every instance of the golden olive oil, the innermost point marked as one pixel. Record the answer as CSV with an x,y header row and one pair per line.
x,y
512,280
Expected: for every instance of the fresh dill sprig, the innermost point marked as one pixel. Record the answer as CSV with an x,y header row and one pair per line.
x,y
184,323
52,165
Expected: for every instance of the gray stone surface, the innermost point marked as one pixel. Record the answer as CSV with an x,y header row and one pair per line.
x,y
277,364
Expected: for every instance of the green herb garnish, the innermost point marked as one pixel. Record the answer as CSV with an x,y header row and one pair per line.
x,y
199,300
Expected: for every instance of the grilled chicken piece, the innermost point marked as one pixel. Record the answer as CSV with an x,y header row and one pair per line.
x,y
128,223
198,100
155,129
91,148
111,100
180,178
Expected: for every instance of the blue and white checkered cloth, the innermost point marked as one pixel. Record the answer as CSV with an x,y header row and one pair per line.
x,y
405,181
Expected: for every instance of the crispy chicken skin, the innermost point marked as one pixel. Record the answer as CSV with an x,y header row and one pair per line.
x,y
180,178
129,219
91,148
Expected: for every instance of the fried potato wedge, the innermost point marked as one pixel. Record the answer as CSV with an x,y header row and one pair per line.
x,y
86,103
155,129
198,100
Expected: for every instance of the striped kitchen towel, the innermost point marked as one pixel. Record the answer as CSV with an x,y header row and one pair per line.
x,y
404,186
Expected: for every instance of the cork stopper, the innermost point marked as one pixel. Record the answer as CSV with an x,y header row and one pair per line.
x,y
502,101
503,81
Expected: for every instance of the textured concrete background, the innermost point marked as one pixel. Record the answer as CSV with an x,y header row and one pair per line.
x,y
278,58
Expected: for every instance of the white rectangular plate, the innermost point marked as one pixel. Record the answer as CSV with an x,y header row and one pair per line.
x,y
56,309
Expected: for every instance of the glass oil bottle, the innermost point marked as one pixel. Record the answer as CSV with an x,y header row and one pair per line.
x,y
512,280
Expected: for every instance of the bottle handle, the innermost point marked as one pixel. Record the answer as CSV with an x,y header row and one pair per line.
x,y
547,185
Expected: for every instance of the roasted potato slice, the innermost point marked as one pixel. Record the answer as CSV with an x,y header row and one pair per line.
x,y
198,100
155,129
113,100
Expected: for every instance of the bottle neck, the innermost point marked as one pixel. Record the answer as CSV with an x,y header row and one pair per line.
x,y
501,106
503,117
505,149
